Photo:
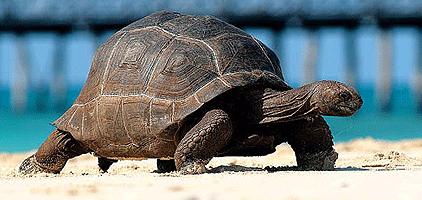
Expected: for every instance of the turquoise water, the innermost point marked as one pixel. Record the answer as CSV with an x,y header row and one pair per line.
x,y
26,132
384,126
21,133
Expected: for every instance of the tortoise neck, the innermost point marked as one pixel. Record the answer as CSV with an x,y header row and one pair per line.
x,y
283,106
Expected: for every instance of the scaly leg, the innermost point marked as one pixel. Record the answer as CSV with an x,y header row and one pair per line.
x,y
313,145
203,142
53,154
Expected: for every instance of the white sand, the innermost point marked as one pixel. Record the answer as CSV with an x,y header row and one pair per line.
x,y
366,169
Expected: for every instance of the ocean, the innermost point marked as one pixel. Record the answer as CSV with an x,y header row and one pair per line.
x,y
26,132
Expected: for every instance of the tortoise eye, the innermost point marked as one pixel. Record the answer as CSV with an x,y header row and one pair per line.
x,y
344,95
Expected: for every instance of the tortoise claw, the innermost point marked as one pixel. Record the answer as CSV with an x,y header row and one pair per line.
x,y
324,160
329,161
196,167
31,166
28,166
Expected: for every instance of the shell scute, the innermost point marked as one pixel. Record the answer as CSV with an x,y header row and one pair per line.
x,y
183,68
134,61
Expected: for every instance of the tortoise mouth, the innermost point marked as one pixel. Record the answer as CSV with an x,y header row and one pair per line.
x,y
350,109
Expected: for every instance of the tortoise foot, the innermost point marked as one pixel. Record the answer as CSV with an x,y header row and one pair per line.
x,y
53,154
203,142
324,160
194,167
330,161
31,166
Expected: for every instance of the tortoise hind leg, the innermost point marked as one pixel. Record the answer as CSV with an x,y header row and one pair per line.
x,y
53,154
203,142
105,163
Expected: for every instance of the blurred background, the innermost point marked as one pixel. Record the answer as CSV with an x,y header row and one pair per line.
x,y
46,49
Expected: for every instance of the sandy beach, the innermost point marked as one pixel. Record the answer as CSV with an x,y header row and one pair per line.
x,y
366,169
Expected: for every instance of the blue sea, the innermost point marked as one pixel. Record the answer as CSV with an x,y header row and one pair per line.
x,y
26,132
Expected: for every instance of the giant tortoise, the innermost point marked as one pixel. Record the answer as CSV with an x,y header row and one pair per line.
x,y
184,89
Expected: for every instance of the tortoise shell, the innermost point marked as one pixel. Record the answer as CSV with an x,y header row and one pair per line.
x,y
155,72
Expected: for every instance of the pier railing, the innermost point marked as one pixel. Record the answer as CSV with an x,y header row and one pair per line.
x,y
45,78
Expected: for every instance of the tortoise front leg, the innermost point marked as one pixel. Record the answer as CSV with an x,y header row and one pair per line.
x,y
312,143
53,154
203,142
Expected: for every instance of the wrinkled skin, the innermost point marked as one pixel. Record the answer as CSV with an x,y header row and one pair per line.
x,y
328,98
293,116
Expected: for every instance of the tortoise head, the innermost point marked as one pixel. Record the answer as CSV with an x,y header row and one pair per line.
x,y
335,99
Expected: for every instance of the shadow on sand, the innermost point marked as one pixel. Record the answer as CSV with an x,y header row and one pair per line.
x,y
239,168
